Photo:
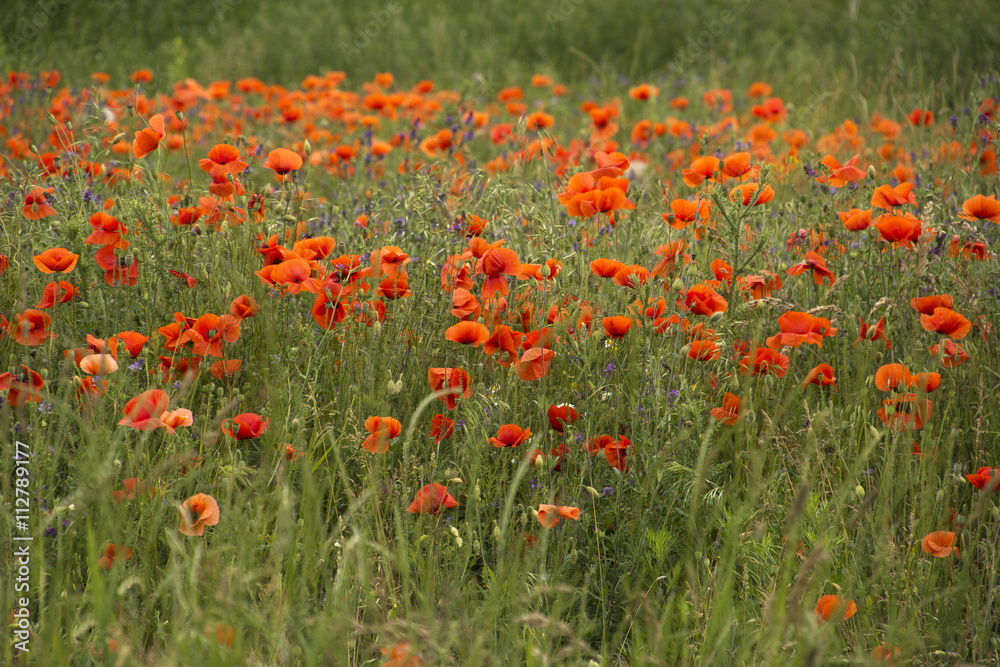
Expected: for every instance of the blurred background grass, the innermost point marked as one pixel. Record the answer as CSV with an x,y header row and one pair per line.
x,y
792,44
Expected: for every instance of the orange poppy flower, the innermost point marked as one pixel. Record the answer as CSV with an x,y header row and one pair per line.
x,y
36,206
225,368
835,608
30,328
382,430
616,327
893,376
430,499
745,194
561,416
796,328
643,92
952,354
888,197
441,428
243,307
605,268
939,544
148,139
814,262
702,299
510,435
145,410
985,479
736,165
946,321
283,161
466,333
821,375
979,207
841,175
450,378
198,511
328,310
900,230
57,292
497,263
873,333
506,340
907,411
55,260
549,515
703,169
886,653
534,364
764,361
616,451
111,553
23,388
685,212
856,219
98,364
729,413
209,331
247,426
926,304
223,160
704,350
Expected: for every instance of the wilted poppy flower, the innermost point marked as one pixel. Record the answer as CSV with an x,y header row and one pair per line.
x,y
198,511
510,435
821,375
946,321
873,333
835,608
247,426
382,429
441,428
243,307
36,206
939,544
172,419
534,364
986,479
430,499
148,139
616,327
549,515
56,260
729,413
561,416
98,364
886,653
23,388
979,207
144,411
282,161
111,553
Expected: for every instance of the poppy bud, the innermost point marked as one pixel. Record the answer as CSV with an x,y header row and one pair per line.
x,y
454,531
476,491
677,286
118,137
131,110
871,171
377,328
685,350
44,373
84,304
180,116
34,148
496,533
593,492
308,148
940,495
295,426
769,380
859,491
716,316
118,463
219,391
476,547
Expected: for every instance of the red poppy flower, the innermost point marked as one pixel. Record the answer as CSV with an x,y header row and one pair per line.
x,y
55,260
243,307
382,429
23,388
430,499
856,220
702,169
729,413
821,375
873,333
704,350
605,268
907,411
796,328
616,451
209,331
107,231
111,553
985,479
534,364
702,299
616,327
835,608
684,212
952,354
746,193
327,309
467,333
505,340
145,410
979,207
764,361
148,139
814,262
36,206
841,175
561,416
549,515
441,428
888,197
31,328
198,511
223,160
247,426
510,435
225,368
283,161
946,321
893,376
450,378
57,292
939,544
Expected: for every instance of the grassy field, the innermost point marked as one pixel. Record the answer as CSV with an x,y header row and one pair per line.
x,y
555,358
